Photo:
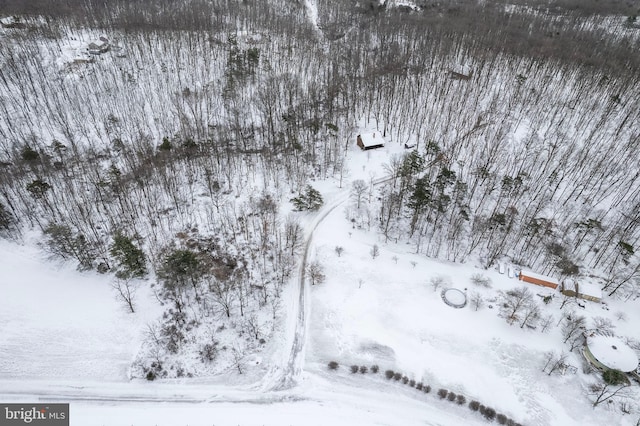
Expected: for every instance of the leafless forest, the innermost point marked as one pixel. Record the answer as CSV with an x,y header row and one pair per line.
x,y
185,137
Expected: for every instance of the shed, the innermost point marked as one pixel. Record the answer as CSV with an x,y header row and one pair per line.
x,y
609,353
370,141
99,46
582,290
538,279
11,22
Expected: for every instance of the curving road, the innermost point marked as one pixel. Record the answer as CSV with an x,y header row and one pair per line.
x,y
291,372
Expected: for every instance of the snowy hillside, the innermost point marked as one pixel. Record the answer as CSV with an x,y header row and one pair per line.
x,y
188,226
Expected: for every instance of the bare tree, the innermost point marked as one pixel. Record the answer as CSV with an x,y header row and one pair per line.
x,y
253,326
315,271
294,236
573,326
605,392
375,251
436,282
237,359
546,322
554,362
603,325
359,189
481,281
125,291
476,300
514,302
567,300
530,315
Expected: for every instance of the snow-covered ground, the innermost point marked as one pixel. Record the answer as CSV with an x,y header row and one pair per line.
x,y
57,323
64,337
316,401
384,311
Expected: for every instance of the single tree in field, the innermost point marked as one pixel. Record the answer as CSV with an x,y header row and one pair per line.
x,y
125,291
476,300
514,302
315,271
375,251
358,190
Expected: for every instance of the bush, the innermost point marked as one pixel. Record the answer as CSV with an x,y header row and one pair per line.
x,y
502,419
354,369
412,383
405,380
208,352
333,365
389,374
481,281
474,405
150,375
461,399
397,376
419,386
482,409
489,413
451,396
426,389
363,369
29,154
614,377
375,369
442,393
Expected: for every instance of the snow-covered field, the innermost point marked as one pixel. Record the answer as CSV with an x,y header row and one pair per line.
x,y
57,323
63,336
385,311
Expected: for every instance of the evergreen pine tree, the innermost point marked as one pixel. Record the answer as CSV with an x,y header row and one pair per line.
x,y
131,259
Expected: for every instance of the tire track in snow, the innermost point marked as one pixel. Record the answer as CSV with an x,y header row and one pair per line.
x,y
293,368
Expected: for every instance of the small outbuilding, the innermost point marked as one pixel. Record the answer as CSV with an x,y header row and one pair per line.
x,y
582,290
538,279
609,353
370,141
12,22
99,46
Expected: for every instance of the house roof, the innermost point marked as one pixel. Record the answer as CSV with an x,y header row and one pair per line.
x,y
584,287
8,20
613,353
539,277
372,139
98,43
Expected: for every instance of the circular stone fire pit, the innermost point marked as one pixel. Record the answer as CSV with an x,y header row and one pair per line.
x,y
454,297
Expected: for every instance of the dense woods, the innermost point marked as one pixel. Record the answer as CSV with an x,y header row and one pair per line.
x,y
178,145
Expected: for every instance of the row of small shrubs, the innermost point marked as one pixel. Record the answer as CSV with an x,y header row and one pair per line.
x,y
394,375
488,412
364,369
333,365
451,396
